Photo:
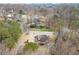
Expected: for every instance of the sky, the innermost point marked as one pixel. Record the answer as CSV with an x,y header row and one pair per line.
x,y
39,1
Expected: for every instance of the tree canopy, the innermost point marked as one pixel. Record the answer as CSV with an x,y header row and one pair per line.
x,y
9,32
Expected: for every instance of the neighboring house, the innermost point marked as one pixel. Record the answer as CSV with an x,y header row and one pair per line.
x,y
2,14
9,16
36,20
18,17
42,20
29,19
24,18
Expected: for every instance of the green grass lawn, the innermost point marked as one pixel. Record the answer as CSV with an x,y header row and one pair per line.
x,y
40,29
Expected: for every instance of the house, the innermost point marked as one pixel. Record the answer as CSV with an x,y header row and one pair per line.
x,y
35,20
18,17
9,16
42,20
23,18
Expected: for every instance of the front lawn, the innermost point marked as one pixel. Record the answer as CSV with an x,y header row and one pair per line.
x,y
40,29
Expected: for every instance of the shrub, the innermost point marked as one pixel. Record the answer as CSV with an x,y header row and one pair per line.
x,y
33,26
30,46
40,27
9,42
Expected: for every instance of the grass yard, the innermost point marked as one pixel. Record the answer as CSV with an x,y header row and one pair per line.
x,y
40,29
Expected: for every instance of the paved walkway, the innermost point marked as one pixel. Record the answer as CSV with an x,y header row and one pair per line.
x,y
21,42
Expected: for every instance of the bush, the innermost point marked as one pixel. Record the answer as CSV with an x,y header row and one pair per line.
x,y
40,27
9,42
33,26
30,46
